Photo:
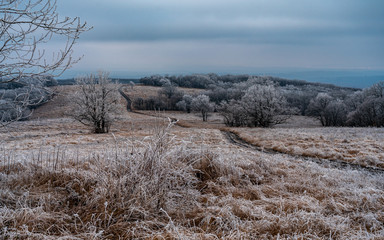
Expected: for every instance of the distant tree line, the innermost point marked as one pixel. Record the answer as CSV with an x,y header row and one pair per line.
x,y
205,81
363,108
242,100
202,81
262,101
254,102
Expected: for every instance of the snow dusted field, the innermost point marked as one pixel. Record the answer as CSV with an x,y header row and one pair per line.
x,y
364,146
145,180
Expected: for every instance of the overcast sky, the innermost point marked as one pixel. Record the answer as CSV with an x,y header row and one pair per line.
x,y
139,37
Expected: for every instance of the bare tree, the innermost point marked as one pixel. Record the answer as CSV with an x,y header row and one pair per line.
x,y
18,99
95,102
185,104
370,108
169,95
202,104
25,26
233,113
335,114
376,90
317,106
264,105
330,111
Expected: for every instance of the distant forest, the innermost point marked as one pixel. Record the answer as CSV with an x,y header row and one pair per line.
x,y
242,100
253,101
204,81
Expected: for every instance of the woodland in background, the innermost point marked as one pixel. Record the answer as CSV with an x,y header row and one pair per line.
x,y
242,100
255,101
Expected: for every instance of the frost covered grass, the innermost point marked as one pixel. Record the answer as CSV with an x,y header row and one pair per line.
x,y
364,146
146,180
179,183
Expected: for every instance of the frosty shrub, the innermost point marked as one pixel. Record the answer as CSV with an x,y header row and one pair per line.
x,y
260,106
203,105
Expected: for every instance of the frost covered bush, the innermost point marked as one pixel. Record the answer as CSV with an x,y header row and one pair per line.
x,y
203,105
262,105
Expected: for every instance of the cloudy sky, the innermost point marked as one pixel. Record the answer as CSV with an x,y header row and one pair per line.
x,y
133,38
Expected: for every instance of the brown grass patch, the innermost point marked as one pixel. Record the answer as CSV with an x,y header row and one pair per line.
x,y
145,182
323,143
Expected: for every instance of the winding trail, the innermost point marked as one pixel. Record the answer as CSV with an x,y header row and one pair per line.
x,y
334,163
127,98
237,140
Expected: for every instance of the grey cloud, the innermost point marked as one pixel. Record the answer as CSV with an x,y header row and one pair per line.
x,y
259,21
194,34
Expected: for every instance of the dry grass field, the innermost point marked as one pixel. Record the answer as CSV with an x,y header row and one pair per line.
x,y
363,146
149,179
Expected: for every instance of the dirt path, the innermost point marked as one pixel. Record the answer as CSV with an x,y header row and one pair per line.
x,y
331,163
127,98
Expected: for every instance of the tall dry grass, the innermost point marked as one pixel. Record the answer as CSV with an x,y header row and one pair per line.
x,y
362,146
153,189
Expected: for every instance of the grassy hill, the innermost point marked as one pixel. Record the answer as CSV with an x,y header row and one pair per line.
x,y
150,179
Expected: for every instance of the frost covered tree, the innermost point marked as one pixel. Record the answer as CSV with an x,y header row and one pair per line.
x,y
233,113
202,104
369,113
185,103
261,105
317,106
168,89
330,111
95,102
376,90
264,106
131,84
335,114
25,28
370,108
169,95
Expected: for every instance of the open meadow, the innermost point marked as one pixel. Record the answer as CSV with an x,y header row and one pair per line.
x,y
149,178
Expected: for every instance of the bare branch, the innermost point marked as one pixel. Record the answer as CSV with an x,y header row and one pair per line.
x,y
24,28
95,102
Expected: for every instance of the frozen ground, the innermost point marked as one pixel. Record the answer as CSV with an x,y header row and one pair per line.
x,y
146,181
